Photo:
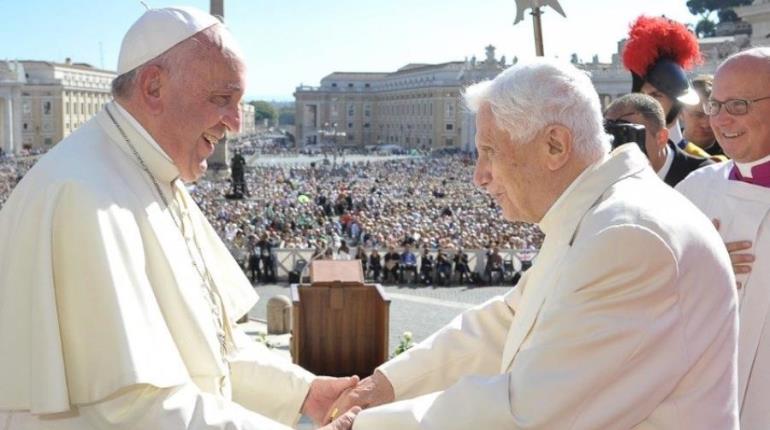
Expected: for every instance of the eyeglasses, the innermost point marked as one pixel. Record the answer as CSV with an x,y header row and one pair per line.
x,y
732,106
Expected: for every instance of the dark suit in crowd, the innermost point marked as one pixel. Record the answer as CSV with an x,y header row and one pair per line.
x,y
683,165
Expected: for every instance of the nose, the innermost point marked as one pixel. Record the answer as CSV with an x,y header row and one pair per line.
x,y
231,117
481,175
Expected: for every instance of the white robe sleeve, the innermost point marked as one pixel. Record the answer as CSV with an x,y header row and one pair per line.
x,y
183,407
267,383
471,344
599,357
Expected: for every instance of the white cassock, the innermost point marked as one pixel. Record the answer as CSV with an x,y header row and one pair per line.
x,y
744,214
104,322
627,320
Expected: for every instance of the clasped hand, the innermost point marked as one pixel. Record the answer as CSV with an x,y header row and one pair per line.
x,y
372,391
324,391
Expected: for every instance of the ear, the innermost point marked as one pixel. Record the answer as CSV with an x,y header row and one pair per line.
x,y
558,146
662,137
150,83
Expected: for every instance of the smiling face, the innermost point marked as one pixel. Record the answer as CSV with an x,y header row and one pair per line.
x,y
202,103
744,138
509,171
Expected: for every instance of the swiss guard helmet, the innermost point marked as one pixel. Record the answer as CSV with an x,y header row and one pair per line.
x,y
658,51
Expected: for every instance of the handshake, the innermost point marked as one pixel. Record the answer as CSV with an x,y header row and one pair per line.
x,y
334,402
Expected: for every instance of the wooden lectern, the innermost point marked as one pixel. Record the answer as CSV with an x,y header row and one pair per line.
x,y
339,324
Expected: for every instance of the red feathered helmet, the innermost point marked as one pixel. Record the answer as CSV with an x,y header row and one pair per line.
x,y
659,51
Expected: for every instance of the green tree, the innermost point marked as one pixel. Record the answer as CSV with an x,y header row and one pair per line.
x,y
706,28
263,110
727,15
700,7
705,9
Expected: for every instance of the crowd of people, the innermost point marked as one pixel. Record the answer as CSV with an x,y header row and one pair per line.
x,y
424,202
12,169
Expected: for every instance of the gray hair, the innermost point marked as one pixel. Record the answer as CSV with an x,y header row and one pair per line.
x,y
215,37
646,106
529,96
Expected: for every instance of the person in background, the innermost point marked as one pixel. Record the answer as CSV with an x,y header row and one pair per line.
x,y
361,256
671,163
343,252
266,245
736,196
254,259
697,128
375,265
462,267
494,264
426,267
443,268
392,265
408,263
658,53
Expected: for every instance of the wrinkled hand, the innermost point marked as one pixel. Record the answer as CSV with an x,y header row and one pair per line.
x,y
323,392
372,391
344,422
741,261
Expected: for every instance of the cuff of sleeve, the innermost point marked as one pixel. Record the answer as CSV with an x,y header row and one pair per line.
x,y
400,386
270,385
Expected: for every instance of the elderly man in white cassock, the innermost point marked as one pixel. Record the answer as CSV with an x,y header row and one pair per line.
x,y
626,320
117,299
736,195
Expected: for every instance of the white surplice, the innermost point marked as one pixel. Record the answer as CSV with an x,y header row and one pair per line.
x,y
101,309
743,211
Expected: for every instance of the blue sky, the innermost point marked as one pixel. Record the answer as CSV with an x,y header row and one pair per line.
x,y
293,42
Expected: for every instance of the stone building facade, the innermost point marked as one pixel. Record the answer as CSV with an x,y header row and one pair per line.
x,y
418,106
43,102
758,15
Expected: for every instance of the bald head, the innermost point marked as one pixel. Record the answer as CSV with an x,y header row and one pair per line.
x,y
743,76
758,56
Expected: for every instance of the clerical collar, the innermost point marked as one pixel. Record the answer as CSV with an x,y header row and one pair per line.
x,y
158,162
675,135
747,168
554,209
669,161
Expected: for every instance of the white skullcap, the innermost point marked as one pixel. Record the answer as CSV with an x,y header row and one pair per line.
x,y
159,30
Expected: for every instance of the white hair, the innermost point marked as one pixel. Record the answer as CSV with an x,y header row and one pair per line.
x,y
529,96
